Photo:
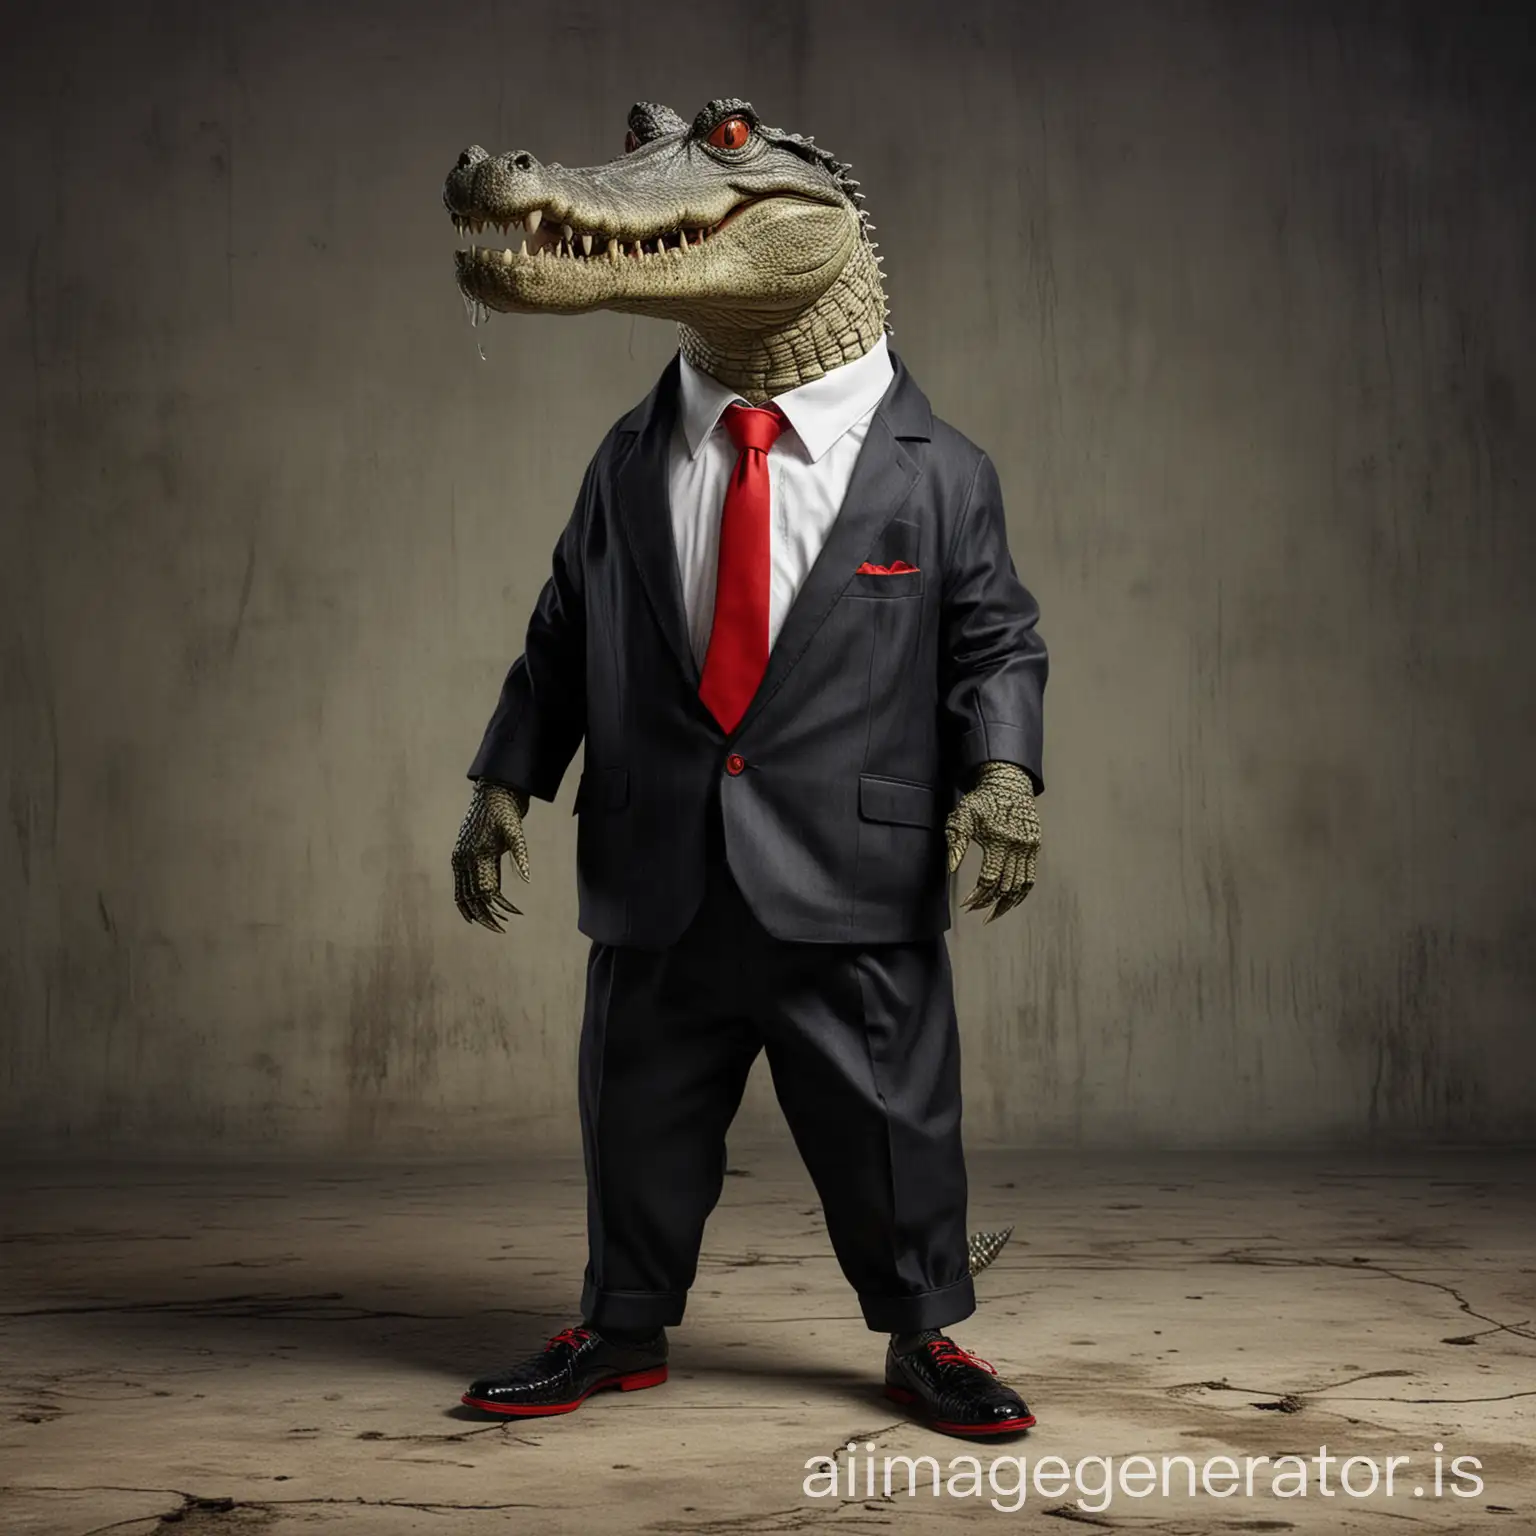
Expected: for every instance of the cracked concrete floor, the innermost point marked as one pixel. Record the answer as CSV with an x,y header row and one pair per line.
x,y
281,1349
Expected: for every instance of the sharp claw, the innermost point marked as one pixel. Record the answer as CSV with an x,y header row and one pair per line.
x,y
482,916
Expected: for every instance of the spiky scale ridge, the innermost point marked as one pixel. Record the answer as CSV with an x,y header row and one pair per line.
x,y
650,120
984,1247
806,147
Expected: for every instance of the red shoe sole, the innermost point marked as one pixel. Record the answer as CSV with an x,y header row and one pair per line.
x,y
635,1381
969,1431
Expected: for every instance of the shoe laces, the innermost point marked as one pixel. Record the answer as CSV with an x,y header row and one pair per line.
x,y
575,1337
946,1352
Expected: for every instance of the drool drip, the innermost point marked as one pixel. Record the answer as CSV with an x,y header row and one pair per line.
x,y
478,316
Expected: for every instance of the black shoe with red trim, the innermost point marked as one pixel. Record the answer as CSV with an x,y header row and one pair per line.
x,y
952,1390
574,1364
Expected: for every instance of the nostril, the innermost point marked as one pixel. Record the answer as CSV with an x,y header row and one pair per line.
x,y
521,161
472,156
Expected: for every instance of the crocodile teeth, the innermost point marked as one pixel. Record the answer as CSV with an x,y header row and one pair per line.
x,y
614,248
506,258
524,250
566,233
586,244
534,219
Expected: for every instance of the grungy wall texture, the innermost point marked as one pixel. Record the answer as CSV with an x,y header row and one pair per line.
x,y
1240,297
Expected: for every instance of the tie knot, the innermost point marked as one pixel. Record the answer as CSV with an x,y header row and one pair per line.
x,y
754,426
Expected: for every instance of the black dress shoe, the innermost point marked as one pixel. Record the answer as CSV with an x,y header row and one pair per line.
x,y
953,1391
574,1364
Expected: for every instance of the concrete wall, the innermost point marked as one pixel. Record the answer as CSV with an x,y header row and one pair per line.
x,y
1240,298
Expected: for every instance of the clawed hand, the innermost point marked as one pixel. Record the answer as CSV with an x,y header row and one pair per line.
x,y
999,815
492,826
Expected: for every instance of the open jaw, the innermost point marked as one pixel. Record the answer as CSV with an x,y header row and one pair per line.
x,y
564,264
538,235
556,264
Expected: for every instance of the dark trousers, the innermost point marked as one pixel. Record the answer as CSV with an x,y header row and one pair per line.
x,y
864,1050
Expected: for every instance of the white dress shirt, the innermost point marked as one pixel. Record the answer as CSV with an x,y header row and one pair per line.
x,y
809,468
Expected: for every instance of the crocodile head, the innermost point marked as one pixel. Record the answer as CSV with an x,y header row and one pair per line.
x,y
752,239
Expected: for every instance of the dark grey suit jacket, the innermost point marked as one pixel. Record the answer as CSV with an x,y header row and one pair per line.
x,y
881,691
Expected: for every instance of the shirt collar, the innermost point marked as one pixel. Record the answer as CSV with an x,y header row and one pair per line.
x,y
820,412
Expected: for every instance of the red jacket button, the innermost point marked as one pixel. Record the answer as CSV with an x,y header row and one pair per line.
x,y
735,763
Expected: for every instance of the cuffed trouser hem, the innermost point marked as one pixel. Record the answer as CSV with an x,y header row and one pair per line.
x,y
928,1309
631,1309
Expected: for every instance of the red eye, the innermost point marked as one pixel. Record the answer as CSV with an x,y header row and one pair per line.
x,y
731,134
631,143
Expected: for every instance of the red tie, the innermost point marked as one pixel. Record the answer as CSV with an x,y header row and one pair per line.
x,y
738,641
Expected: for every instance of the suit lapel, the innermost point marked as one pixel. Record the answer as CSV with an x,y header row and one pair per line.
x,y
882,481
883,477
645,508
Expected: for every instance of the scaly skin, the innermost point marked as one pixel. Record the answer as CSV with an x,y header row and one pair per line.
x,y
998,814
982,1247
760,253
492,826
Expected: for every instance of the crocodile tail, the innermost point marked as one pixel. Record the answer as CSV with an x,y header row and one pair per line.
x,y
983,1247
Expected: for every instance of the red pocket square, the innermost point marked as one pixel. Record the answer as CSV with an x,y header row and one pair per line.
x,y
895,568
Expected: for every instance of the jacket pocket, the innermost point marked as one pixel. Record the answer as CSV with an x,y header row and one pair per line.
x,y
896,584
898,801
602,789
